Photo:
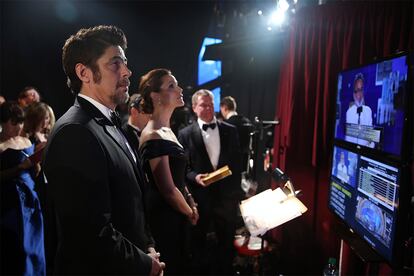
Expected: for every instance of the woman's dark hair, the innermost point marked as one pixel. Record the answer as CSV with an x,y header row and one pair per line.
x,y
11,111
151,82
35,115
86,47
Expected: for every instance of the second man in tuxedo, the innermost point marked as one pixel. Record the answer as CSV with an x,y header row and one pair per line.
x,y
209,145
137,120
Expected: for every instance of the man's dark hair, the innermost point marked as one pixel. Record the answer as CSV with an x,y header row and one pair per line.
x,y
151,82
11,111
135,101
86,47
229,102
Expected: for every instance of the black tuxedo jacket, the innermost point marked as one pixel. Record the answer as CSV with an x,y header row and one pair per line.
x,y
216,196
97,191
244,127
132,134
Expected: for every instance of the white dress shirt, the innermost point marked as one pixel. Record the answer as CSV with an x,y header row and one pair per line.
x,y
211,139
364,118
342,172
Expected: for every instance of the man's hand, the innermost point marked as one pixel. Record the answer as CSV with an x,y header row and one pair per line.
x,y
157,268
154,254
199,178
194,217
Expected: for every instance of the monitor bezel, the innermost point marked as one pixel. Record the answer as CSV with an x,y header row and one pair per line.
x,y
400,232
405,150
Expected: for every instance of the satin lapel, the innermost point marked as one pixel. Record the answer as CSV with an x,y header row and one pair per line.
x,y
223,144
116,136
107,125
200,147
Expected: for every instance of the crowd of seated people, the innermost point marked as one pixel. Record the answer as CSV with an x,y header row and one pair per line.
x,y
24,127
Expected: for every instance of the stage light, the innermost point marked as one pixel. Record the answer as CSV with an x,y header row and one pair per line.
x,y
283,5
259,12
277,17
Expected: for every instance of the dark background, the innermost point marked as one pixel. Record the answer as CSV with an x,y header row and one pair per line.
x,y
165,34
160,34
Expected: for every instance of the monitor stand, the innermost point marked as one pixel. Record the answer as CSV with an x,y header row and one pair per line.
x,y
371,260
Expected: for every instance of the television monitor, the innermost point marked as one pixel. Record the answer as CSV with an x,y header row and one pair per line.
x,y
364,193
370,105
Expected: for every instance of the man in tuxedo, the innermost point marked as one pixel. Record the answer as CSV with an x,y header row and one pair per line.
x,y
359,114
209,145
137,120
228,109
92,173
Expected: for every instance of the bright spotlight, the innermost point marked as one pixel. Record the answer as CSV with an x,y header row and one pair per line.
x,y
283,5
259,12
277,17
269,28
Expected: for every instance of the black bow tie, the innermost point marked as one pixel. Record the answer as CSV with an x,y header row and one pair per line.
x,y
206,126
116,119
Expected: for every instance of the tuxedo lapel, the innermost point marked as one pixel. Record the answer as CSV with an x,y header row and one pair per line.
x,y
200,146
119,140
108,127
223,144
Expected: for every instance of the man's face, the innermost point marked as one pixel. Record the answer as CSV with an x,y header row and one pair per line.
x,y
342,157
142,119
32,96
204,108
112,87
359,92
223,111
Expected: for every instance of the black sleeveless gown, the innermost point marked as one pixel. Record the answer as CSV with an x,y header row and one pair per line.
x,y
168,226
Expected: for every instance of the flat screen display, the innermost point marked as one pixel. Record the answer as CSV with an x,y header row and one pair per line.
x,y
370,105
364,193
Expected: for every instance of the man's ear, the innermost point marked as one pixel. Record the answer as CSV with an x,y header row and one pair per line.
x,y
83,73
134,111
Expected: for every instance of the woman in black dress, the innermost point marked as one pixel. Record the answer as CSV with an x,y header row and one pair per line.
x,y
169,204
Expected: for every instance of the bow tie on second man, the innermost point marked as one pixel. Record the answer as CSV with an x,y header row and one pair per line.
x,y
116,119
206,126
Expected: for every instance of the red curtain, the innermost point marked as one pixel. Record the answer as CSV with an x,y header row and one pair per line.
x,y
323,41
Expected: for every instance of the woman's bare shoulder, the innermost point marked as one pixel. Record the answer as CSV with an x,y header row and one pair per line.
x,y
16,143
